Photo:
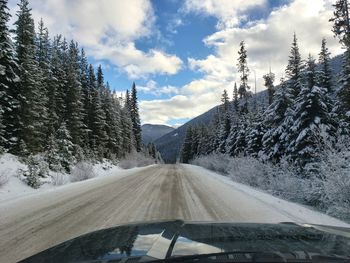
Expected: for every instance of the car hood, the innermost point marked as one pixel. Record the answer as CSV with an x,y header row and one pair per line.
x,y
161,240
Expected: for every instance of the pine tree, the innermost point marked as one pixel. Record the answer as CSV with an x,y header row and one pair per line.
x,y
324,80
57,95
74,106
100,80
235,99
33,100
97,122
311,119
9,84
311,71
255,136
344,81
269,80
241,138
231,139
86,94
187,146
195,142
135,118
294,68
203,145
242,66
225,122
126,126
324,77
341,27
213,141
273,146
2,132
60,153
43,57
113,129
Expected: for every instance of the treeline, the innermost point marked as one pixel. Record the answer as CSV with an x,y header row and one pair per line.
x,y
53,102
304,116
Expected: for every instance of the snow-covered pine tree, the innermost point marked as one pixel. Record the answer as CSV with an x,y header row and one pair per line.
x,y
9,88
60,152
86,96
269,80
33,100
324,80
58,86
273,148
187,146
113,129
341,20
344,90
97,122
211,140
52,94
255,135
294,68
2,132
74,105
231,139
127,137
43,57
311,121
225,122
241,138
135,118
204,140
242,66
341,29
324,74
195,142
235,99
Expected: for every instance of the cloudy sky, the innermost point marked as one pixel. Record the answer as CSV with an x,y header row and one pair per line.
x,y
182,53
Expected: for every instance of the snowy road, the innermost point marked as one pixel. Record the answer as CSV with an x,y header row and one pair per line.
x,y
34,223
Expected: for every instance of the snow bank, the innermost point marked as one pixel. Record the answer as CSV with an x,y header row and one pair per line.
x,y
14,183
329,191
15,186
299,213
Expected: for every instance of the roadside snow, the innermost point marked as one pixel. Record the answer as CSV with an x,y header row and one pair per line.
x,y
16,187
299,213
9,166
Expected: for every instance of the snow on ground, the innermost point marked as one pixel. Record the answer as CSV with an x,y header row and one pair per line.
x,y
9,166
300,213
16,187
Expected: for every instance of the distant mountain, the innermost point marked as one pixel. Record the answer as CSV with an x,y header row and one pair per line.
x,y
151,132
169,145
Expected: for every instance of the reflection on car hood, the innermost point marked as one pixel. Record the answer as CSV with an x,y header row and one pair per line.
x,y
162,240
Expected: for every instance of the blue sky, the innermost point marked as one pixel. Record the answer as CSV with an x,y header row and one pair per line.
x,y
182,53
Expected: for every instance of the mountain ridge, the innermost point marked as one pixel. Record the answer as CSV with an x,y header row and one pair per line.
x,y
151,132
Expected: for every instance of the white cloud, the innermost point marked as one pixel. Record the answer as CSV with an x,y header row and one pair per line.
x,y
228,12
135,62
152,88
174,24
177,107
109,29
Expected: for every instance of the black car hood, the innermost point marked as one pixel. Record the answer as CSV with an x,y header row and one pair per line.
x,y
162,240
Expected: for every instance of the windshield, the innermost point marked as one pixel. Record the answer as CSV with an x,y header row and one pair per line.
x,y
197,111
